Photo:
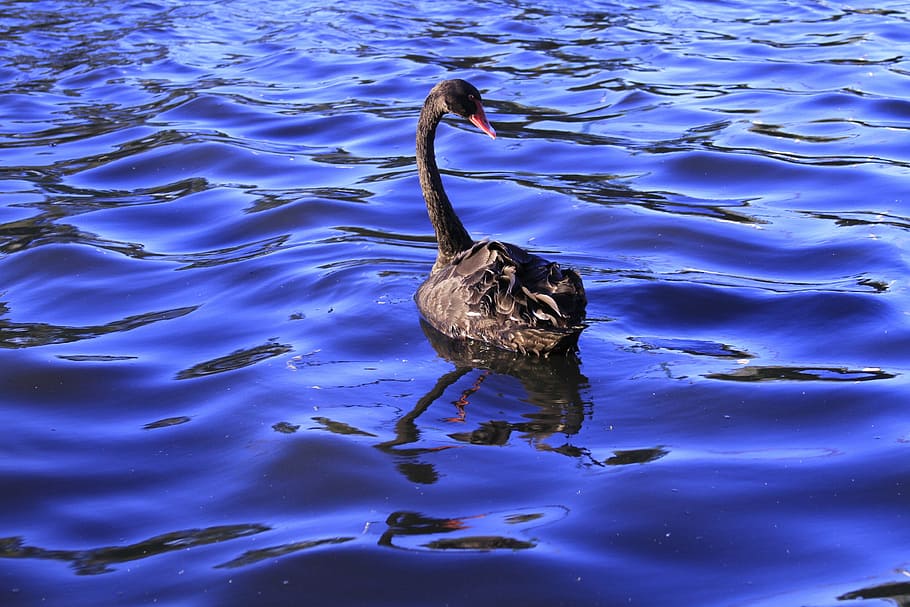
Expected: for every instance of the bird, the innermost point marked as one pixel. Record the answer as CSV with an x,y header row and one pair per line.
x,y
488,291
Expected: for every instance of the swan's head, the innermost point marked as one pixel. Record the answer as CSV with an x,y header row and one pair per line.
x,y
461,98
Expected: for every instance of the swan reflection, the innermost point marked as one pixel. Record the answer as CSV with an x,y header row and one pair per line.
x,y
554,385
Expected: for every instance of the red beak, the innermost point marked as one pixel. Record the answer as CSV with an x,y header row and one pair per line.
x,y
479,119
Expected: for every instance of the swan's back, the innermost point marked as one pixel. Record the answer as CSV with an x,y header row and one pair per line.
x,y
500,294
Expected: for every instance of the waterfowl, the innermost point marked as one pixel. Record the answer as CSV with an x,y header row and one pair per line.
x,y
489,291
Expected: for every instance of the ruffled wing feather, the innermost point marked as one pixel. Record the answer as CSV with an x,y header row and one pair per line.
x,y
498,293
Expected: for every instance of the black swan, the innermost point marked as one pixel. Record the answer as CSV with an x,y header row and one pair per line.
x,y
489,291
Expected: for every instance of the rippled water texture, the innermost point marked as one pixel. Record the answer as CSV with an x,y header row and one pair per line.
x,y
215,386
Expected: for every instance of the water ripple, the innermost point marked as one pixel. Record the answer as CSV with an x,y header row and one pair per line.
x,y
210,237
29,335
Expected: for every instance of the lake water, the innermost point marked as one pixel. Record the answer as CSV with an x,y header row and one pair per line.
x,y
216,389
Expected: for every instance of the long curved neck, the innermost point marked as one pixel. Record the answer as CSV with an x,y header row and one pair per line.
x,y
451,236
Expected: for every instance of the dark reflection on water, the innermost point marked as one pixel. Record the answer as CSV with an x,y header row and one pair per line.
x,y
554,385
415,531
772,373
167,422
235,360
101,560
898,593
210,236
273,552
635,456
30,335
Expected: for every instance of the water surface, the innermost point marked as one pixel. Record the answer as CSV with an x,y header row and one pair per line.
x,y
216,387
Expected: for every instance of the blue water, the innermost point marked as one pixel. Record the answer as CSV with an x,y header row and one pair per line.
x,y
216,389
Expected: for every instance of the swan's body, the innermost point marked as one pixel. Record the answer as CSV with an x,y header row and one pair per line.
x,y
489,291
